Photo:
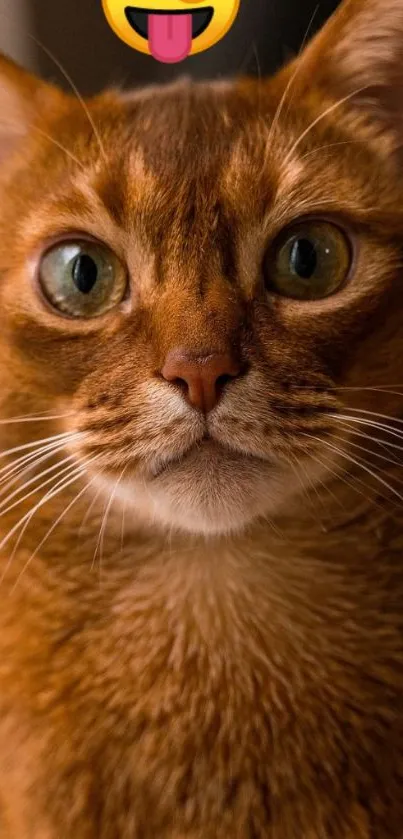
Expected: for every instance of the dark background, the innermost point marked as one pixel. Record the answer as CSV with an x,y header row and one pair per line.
x,y
264,35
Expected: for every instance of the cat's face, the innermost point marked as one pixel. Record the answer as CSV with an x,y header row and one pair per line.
x,y
192,278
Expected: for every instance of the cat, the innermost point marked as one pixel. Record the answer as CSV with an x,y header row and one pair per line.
x,y
201,525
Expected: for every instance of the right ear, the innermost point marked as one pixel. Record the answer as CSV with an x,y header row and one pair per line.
x,y
22,98
357,59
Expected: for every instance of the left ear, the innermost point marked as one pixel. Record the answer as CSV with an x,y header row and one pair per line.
x,y
23,98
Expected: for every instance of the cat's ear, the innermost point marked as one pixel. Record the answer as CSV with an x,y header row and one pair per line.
x,y
358,58
22,98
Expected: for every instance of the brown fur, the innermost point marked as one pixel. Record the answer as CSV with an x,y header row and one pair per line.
x,y
216,653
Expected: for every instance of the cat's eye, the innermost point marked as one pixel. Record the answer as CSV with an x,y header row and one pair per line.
x,y
308,261
82,279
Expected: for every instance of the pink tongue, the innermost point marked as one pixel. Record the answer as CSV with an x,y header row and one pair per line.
x,y
170,37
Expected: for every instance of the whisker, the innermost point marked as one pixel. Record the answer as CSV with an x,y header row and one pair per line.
x,y
358,463
393,432
349,481
50,531
378,389
27,467
295,465
35,443
88,513
327,146
55,490
375,414
319,119
256,55
74,87
98,538
8,509
42,414
122,528
290,82
325,486
25,521
108,509
35,418
101,536
19,539
384,444
16,464
280,107
310,481
390,460
59,146
26,525
308,29
37,130
32,454
244,61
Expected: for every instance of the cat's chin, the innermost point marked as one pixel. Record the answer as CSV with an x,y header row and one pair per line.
x,y
210,491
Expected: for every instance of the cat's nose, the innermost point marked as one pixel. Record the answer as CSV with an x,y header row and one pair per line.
x,y
201,379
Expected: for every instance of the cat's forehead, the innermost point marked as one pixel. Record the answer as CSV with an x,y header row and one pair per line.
x,y
192,160
188,117
189,131
186,150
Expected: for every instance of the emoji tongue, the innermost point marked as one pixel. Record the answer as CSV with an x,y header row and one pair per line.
x,y
170,36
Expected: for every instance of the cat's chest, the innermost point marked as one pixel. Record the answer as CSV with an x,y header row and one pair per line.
x,y
235,756
157,712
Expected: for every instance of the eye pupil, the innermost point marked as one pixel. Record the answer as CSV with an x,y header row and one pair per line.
x,y
84,273
303,258
309,261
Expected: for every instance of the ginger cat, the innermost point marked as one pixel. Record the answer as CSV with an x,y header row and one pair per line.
x,y
201,523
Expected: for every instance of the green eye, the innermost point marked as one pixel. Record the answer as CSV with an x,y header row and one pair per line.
x,y
82,279
308,261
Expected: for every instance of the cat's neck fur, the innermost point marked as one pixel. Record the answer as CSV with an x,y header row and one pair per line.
x,y
107,541
238,640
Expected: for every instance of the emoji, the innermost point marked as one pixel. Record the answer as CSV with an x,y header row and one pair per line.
x,y
170,30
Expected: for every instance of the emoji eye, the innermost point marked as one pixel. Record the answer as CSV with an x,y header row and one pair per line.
x,y
82,279
308,261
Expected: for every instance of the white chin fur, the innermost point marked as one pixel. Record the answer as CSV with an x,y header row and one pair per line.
x,y
208,495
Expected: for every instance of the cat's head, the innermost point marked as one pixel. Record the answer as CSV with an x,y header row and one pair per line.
x,y
200,276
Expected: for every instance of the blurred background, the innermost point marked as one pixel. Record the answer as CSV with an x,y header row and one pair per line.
x,y
265,34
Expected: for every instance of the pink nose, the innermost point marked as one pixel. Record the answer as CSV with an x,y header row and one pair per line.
x,y
201,379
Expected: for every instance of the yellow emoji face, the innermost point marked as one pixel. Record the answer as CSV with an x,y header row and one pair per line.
x,y
170,30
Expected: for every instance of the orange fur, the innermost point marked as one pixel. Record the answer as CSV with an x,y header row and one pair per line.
x,y
204,639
